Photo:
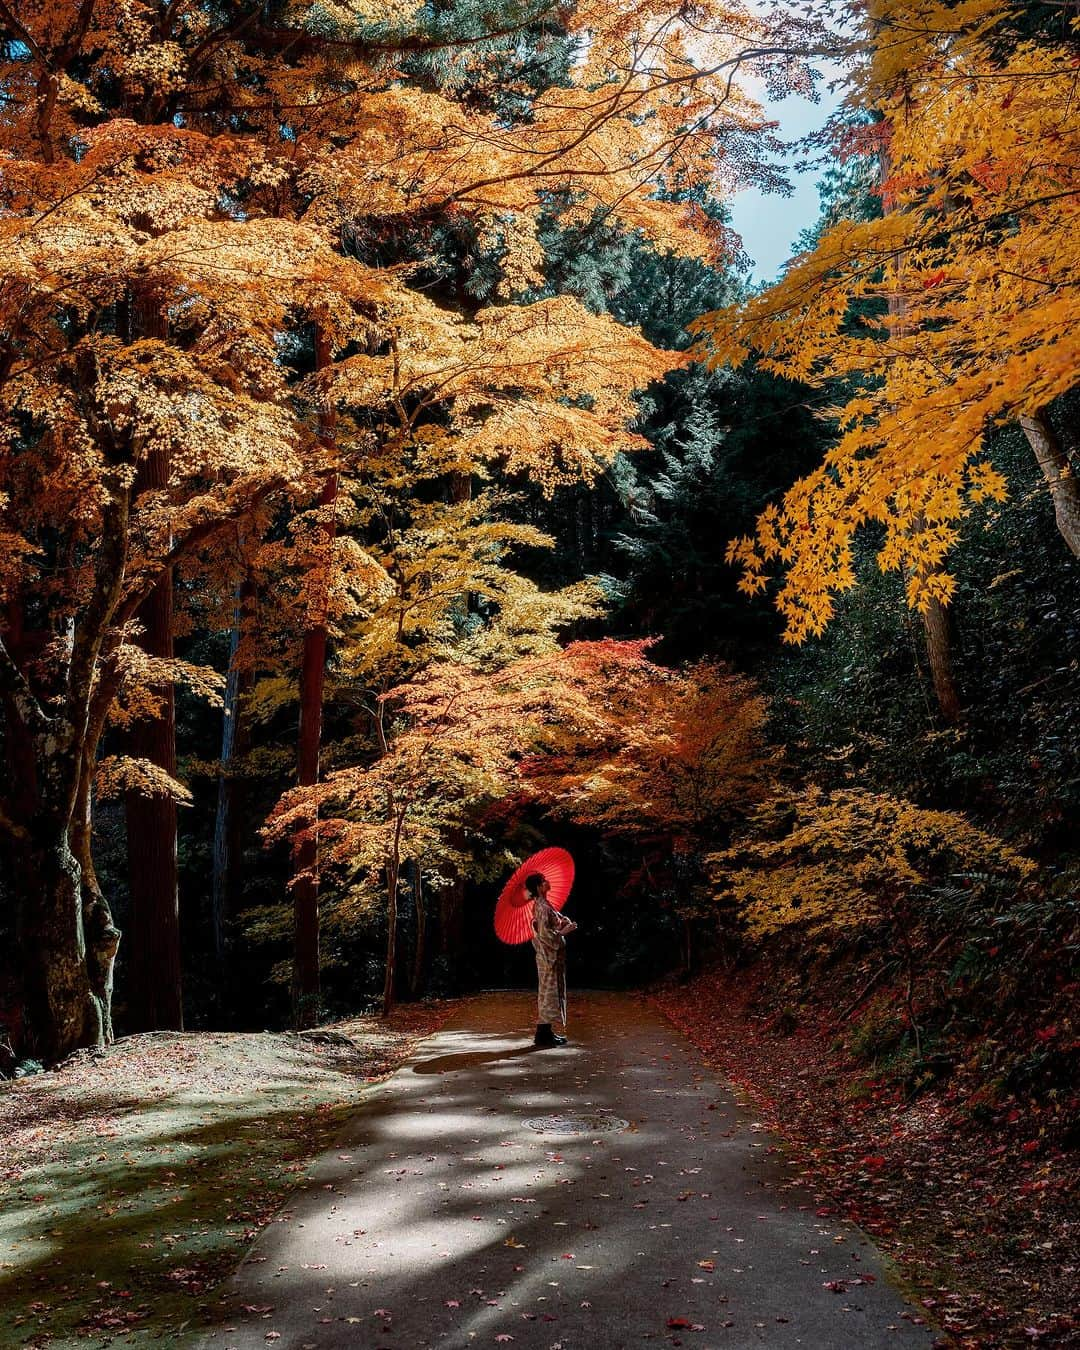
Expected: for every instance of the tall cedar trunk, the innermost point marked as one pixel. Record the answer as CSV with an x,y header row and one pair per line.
x,y
154,958
420,958
306,985
1060,475
230,785
153,961
452,919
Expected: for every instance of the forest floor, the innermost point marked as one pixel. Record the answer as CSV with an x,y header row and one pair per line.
x,y
133,1179
977,1206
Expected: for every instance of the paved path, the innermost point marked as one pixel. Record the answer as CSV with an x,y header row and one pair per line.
x,y
451,1216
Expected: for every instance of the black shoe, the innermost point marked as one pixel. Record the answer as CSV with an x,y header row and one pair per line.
x,y
545,1038
557,1039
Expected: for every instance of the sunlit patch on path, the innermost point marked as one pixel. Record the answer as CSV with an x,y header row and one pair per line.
x,y
444,1218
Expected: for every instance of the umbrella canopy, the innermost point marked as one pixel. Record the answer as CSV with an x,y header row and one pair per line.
x,y
514,911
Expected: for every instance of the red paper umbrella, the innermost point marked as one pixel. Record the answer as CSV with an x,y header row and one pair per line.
x,y
514,912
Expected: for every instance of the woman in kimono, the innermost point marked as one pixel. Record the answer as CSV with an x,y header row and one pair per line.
x,y
549,942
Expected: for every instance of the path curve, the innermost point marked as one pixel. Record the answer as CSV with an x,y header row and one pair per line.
x,y
445,1219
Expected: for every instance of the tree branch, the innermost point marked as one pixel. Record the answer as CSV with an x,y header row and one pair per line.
x,y
14,683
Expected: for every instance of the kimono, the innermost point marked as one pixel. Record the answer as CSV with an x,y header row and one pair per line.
x,y
550,947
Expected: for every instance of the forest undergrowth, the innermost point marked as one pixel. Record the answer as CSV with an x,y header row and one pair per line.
x,y
960,1160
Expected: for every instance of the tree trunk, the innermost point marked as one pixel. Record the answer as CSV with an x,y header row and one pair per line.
x,y
935,619
306,984
452,911
62,1011
154,959
1060,475
230,786
393,881
154,979
420,958
64,934
101,934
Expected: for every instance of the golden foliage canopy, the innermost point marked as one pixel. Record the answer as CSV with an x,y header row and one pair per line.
x,y
957,310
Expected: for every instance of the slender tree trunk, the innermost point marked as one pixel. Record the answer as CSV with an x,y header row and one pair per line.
x,y
420,958
101,934
460,487
306,984
230,786
452,911
154,978
1060,474
936,627
393,878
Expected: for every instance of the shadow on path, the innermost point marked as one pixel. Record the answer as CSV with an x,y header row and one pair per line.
x,y
471,1060
446,1218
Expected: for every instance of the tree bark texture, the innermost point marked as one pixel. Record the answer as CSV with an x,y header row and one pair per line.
x,y
62,1012
306,987
936,628
393,880
1060,474
65,938
420,957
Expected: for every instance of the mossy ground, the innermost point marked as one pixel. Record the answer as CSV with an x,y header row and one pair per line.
x,y
132,1180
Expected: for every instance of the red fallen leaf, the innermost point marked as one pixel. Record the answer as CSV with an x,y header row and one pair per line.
x,y
679,1324
707,1265
837,1286
934,280
1032,1146
452,1303
873,1160
1046,1034
569,1256
503,1337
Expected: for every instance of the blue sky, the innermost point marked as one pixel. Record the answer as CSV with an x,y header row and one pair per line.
x,y
770,224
